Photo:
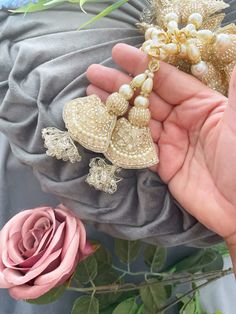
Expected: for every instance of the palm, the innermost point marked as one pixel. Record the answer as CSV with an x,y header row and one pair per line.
x,y
195,134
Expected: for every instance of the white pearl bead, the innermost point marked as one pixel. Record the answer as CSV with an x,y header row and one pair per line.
x,y
147,43
223,42
148,34
183,51
138,80
126,91
155,33
171,48
172,16
193,53
205,35
196,19
200,69
147,86
151,75
190,27
141,101
172,26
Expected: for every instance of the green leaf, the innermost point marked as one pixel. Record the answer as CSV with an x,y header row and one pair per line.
x,y
140,310
128,306
154,296
108,278
34,7
50,296
86,305
86,270
189,308
217,264
155,257
197,261
221,249
105,12
104,260
127,251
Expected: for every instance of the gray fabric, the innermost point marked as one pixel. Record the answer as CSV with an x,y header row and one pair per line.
x,y
43,60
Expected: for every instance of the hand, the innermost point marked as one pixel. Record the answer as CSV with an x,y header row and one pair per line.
x,y
194,128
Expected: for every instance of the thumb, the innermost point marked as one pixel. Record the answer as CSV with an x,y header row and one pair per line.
x,y
230,114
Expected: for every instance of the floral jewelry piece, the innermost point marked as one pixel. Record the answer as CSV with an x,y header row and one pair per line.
x,y
185,33
201,47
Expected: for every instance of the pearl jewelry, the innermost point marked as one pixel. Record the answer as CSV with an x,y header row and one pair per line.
x,y
126,91
194,53
147,86
141,102
191,28
139,80
163,55
171,48
172,26
148,34
199,69
172,16
205,35
183,51
223,41
196,19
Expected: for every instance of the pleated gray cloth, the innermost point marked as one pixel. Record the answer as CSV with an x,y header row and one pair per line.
x,y
43,60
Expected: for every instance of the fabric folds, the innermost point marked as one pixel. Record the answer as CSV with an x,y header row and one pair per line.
x,y
43,60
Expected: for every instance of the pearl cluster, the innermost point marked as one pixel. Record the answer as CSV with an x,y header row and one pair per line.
x,y
139,115
172,41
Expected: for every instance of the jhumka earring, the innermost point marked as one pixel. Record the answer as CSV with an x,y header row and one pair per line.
x,y
187,34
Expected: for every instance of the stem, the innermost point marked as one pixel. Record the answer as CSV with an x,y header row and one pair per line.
x,y
130,287
141,273
176,301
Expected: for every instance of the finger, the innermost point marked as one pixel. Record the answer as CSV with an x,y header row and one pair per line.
x,y
110,80
230,113
173,85
91,89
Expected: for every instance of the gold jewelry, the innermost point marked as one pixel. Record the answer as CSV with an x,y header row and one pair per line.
x,y
200,46
185,33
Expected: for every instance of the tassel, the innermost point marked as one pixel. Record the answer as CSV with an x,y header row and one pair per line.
x,y
102,176
59,144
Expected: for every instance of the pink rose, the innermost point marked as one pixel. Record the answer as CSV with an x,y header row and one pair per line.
x,y
39,250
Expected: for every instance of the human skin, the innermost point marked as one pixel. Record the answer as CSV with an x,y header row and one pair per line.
x,y
194,129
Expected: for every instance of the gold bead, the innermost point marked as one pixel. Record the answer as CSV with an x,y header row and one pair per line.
x,y
117,104
139,116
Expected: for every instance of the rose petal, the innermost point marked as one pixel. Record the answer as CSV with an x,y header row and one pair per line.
x,y
4,284
67,264
56,243
15,222
17,278
88,250
13,250
27,292
82,235
45,212
71,228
